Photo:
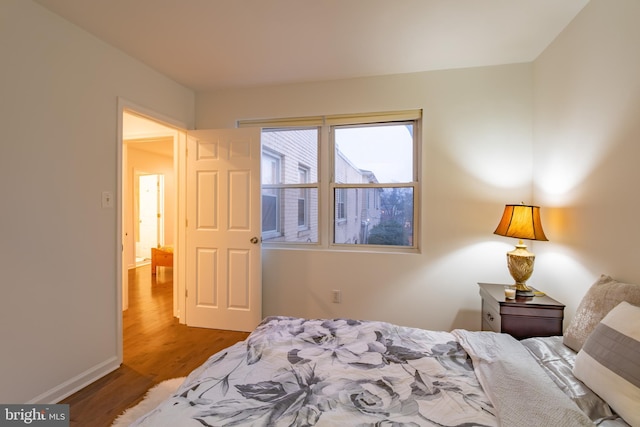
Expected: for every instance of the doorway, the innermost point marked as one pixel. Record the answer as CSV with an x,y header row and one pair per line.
x,y
149,224
149,193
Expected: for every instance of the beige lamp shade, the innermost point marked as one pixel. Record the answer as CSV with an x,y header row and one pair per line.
x,y
521,222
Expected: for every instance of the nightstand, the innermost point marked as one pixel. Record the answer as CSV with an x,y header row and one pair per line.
x,y
521,317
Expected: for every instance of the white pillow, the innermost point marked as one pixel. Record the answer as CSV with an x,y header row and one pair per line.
x,y
609,361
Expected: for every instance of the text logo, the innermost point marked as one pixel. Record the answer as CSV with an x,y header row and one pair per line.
x,y
34,415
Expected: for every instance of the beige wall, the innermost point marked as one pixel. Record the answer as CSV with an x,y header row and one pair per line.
x,y
476,156
60,89
587,148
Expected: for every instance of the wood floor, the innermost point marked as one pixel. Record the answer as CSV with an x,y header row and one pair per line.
x,y
156,348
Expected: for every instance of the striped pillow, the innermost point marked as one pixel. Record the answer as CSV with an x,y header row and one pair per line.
x,y
609,361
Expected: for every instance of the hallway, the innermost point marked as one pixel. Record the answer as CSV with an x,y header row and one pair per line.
x,y
156,347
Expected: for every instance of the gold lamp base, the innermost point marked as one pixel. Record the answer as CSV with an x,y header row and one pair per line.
x,y
520,262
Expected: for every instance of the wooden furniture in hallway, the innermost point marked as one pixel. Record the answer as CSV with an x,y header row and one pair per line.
x,y
156,348
161,257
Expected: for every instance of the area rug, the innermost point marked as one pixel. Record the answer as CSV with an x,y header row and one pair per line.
x,y
154,396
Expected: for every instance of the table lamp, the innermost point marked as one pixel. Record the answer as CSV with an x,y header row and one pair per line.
x,y
522,222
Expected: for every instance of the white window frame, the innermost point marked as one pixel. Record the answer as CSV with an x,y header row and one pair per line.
x,y
326,185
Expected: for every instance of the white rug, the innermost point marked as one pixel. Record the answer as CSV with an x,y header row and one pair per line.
x,y
153,398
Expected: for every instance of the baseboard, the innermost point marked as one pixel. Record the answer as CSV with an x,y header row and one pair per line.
x,y
76,383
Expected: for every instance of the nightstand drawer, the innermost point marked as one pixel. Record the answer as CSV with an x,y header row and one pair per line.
x,y
507,310
490,318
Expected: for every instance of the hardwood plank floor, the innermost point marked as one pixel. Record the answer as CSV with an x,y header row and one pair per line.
x,y
156,348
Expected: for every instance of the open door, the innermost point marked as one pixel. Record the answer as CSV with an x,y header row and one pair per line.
x,y
223,256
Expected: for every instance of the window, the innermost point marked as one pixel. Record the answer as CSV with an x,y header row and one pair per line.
x,y
365,195
290,185
374,162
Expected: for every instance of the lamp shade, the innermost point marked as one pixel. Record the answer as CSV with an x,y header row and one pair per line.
x,y
521,222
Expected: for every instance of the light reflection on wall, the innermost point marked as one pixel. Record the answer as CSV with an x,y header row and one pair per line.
x,y
556,262
483,261
493,159
568,160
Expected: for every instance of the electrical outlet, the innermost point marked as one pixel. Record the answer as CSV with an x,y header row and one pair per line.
x,y
336,296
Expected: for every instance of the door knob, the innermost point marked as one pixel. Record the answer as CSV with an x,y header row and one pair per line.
x,y
254,240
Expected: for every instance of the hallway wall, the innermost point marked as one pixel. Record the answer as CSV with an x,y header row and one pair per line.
x,y
140,160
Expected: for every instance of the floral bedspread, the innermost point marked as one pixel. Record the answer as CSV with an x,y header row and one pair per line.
x,y
301,372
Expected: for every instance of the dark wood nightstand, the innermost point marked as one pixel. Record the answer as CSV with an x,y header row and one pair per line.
x,y
520,317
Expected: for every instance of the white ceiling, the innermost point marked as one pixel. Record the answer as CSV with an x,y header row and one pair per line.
x,y
214,44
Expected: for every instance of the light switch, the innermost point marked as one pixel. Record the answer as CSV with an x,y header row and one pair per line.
x,y
107,199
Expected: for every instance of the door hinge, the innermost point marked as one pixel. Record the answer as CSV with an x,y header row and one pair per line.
x,y
186,293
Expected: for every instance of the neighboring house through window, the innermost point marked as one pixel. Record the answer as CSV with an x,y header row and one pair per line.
x,y
340,201
270,174
296,188
365,196
303,199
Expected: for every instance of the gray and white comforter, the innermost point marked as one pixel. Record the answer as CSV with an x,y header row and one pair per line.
x,y
302,372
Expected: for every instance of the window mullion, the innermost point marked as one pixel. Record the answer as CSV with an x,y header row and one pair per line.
x,y
283,186
325,178
376,185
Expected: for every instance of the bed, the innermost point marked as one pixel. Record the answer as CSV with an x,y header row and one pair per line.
x,y
161,257
344,372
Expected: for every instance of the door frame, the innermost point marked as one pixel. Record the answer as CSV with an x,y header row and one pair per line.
x,y
179,164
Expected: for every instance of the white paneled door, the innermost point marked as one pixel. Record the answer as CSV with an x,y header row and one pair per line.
x,y
223,270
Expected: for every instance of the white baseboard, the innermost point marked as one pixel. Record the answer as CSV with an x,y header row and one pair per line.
x,y
80,381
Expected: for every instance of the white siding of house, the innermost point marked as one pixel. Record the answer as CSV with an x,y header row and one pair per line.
x,y
295,149
349,229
